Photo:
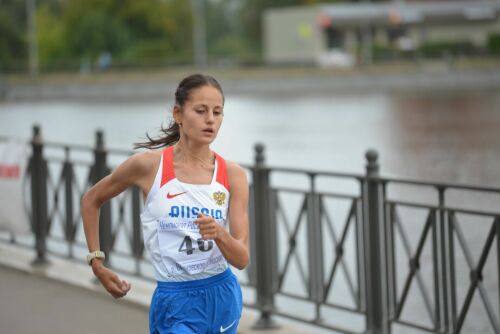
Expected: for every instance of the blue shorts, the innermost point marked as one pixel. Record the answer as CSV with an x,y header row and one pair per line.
x,y
209,305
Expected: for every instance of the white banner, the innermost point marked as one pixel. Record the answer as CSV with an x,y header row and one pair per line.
x,y
13,163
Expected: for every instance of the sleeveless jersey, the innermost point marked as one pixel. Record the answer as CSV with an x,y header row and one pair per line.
x,y
173,241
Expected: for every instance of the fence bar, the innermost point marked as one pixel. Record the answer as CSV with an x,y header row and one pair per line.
x,y
451,268
39,197
251,271
391,264
360,254
376,315
436,268
315,248
137,244
69,225
99,171
444,254
265,234
497,230
390,254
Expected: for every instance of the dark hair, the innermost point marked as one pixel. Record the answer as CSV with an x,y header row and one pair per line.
x,y
169,136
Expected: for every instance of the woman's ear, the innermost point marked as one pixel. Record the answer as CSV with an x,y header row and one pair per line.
x,y
177,114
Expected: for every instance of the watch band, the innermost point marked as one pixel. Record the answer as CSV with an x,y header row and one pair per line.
x,y
95,255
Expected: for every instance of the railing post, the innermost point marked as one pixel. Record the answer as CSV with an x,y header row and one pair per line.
x,y
376,312
265,236
100,170
39,218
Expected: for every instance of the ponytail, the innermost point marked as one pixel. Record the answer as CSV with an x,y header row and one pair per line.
x,y
171,135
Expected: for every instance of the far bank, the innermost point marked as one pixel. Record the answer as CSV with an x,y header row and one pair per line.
x,y
155,83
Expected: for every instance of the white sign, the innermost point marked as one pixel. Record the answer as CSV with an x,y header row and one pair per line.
x,y
13,163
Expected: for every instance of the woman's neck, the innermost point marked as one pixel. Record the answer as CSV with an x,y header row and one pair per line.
x,y
193,154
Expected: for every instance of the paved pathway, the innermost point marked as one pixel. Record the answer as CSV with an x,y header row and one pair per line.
x,y
63,298
34,304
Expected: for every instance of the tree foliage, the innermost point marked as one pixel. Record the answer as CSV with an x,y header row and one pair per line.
x,y
12,34
134,32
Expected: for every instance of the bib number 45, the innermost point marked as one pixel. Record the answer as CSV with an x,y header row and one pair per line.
x,y
187,245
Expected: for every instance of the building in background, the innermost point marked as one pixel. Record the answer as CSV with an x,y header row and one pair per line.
x,y
346,34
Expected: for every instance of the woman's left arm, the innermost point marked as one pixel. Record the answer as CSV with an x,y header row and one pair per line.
x,y
232,244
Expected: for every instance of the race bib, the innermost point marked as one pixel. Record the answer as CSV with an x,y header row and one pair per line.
x,y
183,248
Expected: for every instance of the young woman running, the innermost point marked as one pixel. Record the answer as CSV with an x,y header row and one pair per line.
x,y
194,222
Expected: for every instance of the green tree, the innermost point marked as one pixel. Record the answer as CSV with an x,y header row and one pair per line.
x,y
493,44
225,33
13,46
160,30
134,32
52,46
90,27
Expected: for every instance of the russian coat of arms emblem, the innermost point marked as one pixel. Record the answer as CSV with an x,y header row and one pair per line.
x,y
219,197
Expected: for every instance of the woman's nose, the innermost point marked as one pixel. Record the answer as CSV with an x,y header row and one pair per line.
x,y
210,117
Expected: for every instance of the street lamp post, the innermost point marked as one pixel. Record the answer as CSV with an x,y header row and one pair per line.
x,y
199,33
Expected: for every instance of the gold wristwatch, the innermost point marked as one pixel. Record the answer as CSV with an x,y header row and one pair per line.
x,y
95,255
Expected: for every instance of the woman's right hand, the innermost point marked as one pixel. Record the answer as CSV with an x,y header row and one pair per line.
x,y
111,282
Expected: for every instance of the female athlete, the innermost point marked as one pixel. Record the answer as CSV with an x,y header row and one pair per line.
x,y
194,221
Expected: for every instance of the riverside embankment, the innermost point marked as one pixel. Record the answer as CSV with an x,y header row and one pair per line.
x,y
155,83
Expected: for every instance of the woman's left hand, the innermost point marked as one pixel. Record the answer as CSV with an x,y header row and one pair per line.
x,y
209,228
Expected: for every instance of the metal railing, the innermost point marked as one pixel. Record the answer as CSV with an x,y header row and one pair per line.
x,y
338,257
443,231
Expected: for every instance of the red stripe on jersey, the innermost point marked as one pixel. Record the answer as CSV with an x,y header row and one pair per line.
x,y
167,172
222,172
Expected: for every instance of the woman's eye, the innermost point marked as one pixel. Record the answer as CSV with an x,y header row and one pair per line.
x,y
200,111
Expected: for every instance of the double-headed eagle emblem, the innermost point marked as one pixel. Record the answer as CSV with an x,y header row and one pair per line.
x,y
219,197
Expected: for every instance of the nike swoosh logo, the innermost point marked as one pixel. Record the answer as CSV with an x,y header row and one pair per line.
x,y
170,196
222,329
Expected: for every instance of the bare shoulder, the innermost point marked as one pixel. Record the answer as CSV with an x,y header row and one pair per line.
x,y
148,160
140,165
236,174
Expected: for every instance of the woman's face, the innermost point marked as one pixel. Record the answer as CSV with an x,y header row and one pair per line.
x,y
201,116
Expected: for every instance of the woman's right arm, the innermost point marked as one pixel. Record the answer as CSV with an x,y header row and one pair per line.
x,y
137,171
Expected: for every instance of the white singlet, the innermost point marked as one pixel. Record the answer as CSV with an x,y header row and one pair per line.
x,y
173,241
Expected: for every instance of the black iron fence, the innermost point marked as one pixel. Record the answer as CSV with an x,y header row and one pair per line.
x,y
331,249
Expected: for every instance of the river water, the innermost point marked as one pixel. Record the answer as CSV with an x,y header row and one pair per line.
x,y
446,135
443,135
